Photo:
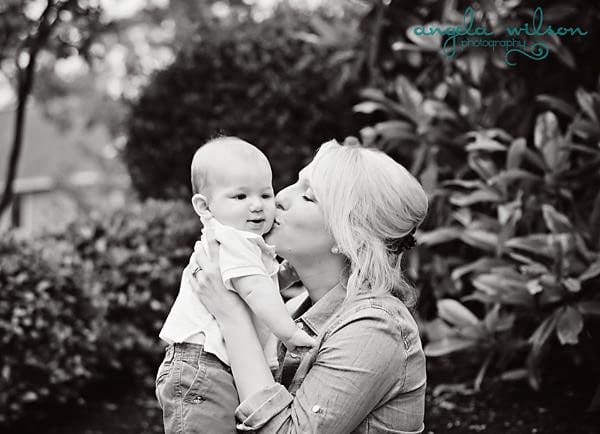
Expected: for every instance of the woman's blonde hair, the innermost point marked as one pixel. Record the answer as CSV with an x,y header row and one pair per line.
x,y
370,203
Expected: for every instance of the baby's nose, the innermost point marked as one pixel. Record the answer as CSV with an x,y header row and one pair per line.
x,y
256,205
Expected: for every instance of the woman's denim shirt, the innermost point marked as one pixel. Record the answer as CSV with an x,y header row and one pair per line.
x,y
366,374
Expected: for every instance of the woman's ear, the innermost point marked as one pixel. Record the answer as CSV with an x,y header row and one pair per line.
x,y
200,204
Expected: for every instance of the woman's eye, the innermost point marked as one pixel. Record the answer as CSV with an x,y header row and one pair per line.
x,y
307,198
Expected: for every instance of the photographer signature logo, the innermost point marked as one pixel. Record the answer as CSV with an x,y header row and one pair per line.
x,y
472,35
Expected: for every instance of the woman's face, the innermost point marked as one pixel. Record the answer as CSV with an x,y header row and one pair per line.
x,y
300,231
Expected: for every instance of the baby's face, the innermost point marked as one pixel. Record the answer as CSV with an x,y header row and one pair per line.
x,y
242,196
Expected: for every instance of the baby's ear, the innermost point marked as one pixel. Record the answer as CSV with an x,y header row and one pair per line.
x,y
200,204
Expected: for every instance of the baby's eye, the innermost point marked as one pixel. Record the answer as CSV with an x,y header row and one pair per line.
x,y
240,196
267,196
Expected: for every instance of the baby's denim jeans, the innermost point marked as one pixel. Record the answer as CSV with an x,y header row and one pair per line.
x,y
195,391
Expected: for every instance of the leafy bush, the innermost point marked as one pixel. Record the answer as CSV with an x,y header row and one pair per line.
x,y
531,217
258,80
89,303
510,158
132,261
49,328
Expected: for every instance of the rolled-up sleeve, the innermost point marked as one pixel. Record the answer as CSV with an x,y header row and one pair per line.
x,y
358,362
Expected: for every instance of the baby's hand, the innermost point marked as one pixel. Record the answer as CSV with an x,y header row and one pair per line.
x,y
299,339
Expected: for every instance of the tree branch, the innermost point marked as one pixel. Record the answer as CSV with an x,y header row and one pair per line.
x,y
25,81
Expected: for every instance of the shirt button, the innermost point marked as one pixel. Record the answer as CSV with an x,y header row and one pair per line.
x,y
316,409
294,355
300,325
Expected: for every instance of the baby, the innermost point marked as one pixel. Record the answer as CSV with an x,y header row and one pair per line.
x,y
233,195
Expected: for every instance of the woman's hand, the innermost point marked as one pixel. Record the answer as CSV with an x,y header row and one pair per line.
x,y
204,276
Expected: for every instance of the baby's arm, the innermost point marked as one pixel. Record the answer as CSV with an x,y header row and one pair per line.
x,y
259,293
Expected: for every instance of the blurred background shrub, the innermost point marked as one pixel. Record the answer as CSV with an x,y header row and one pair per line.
x,y
49,327
88,304
260,80
510,158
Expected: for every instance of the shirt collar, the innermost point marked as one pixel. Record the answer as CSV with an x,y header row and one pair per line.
x,y
315,316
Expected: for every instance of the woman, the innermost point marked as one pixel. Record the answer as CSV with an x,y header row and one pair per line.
x,y
343,226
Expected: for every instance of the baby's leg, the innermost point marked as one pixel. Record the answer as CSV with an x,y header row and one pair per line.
x,y
199,395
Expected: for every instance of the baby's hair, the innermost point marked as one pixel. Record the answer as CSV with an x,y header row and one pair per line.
x,y
202,164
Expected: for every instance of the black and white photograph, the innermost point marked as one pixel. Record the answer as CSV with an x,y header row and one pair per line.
x,y
299,216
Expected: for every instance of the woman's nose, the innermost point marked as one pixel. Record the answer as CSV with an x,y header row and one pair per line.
x,y
281,199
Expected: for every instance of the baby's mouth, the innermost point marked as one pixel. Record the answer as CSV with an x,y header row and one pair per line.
x,y
256,221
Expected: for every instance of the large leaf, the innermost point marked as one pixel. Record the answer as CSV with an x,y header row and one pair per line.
x,y
408,94
538,341
554,43
516,153
586,129
429,177
569,325
506,177
478,196
557,104
482,142
480,265
369,107
541,335
391,130
572,285
506,288
586,102
448,345
426,42
540,244
440,235
455,313
546,129
481,239
548,138
464,183
557,222
589,307
510,213
592,271
484,167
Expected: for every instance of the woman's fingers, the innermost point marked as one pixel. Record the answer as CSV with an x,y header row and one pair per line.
x,y
199,259
197,281
213,245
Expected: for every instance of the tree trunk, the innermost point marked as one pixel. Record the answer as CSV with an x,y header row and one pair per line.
x,y
25,86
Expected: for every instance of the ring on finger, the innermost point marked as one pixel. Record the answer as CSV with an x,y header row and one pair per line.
x,y
195,270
